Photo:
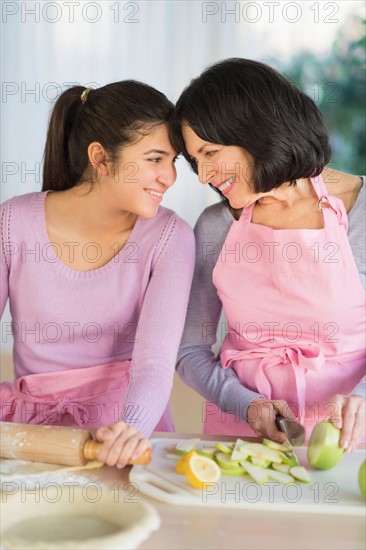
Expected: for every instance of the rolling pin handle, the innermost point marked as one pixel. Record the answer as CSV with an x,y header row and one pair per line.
x,y
92,447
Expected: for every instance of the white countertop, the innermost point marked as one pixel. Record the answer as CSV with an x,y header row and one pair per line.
x,y
221,528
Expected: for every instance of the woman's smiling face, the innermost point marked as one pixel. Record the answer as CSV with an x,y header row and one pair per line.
x,y
226,167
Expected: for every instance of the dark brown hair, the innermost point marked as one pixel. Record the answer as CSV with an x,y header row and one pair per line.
x,y
113,115
248,104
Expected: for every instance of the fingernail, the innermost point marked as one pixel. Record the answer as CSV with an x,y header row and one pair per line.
x,y
345,445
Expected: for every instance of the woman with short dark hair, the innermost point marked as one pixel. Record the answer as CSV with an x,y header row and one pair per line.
x,y
282,255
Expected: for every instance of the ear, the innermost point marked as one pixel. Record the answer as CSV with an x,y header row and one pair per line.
x,y
98,158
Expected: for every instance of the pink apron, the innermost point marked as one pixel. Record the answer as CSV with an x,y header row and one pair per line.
x,y
295,309
89,397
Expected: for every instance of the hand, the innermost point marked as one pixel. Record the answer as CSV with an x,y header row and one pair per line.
x,y
261,416
349,416
120,443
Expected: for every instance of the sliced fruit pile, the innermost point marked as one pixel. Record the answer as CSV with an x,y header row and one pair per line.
x,y
265,462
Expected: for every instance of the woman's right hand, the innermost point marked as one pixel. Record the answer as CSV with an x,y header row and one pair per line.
x,y
261,416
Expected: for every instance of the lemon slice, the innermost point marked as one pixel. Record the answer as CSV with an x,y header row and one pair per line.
x,y
201,470
181,465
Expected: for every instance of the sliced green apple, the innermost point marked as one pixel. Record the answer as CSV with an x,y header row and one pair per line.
x,y
186,446
281,477
223,448
324,451
289,458
209,452
224,461
362,479
284,468
238,451
299,472
261,451
172,456
284,447
260,462
256,472
236,472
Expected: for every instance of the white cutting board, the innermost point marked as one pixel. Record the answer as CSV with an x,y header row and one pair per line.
x,y
333,491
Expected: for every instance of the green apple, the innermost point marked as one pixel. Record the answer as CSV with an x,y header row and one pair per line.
x,y
261,451
186,446
281,477
362,479
223,448
324,451
299,472
237,472
208,452
260,475
224,461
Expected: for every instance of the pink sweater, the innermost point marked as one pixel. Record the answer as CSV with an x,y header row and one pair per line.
x,y
133,307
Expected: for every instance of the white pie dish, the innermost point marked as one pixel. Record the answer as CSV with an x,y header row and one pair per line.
x,y
77,518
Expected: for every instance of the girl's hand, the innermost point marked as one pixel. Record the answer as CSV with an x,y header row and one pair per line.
x,y
120,443
350,417
261,416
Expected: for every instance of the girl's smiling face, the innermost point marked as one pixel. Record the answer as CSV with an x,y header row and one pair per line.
x,y
226,167
144,172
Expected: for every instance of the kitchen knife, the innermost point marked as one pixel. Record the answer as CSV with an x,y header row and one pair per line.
x,y
294,431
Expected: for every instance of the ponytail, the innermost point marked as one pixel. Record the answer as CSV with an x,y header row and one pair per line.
x,y
113,115
58,171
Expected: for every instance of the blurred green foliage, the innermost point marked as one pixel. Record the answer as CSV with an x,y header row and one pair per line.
x,y
337,85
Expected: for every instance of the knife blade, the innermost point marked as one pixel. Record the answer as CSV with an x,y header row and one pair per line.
x,y
294,431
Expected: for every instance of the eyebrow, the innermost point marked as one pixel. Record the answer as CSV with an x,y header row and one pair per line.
x,y
159,151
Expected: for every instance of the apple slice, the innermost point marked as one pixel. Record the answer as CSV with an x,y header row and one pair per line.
x,y
281,477
237,472
284,447
223,448
256,472
284,468
299,472
362,479
260,462
224,461
186,446
261,451
289,458
238,451
324,451
172,456
209,452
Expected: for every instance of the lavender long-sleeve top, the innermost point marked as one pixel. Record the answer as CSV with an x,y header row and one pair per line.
x,y
132,308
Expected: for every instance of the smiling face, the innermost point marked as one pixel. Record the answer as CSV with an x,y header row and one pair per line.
x,y
228,168
144,172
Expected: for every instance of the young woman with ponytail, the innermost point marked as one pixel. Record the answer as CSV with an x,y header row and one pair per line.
x,y
91,266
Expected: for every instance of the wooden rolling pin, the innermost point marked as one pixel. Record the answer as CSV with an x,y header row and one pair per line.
x,y
52,444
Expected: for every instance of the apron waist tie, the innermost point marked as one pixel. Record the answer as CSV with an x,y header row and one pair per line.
x,y
298,359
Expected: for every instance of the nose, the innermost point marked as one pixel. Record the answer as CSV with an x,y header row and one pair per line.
x,y
168,175
206,171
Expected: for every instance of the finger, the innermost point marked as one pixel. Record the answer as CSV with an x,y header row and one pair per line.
x,y
141,448
275,434
281,407
337,416
122,447
359,427
128,449
348,421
